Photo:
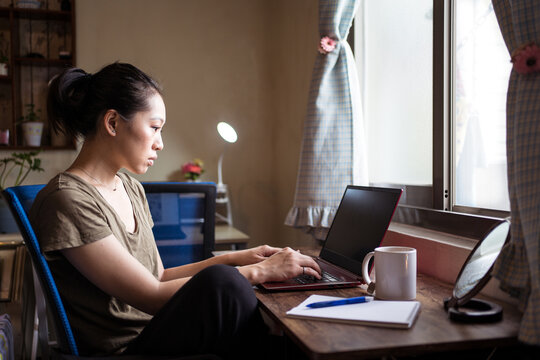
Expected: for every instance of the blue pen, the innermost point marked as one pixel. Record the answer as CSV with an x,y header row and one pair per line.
x,y
355,300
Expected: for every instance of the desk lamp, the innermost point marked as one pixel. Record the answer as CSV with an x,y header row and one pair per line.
x,y
228,134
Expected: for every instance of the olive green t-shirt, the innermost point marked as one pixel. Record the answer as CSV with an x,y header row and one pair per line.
x,y
68,213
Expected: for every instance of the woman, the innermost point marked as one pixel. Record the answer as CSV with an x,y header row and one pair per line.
x,y
94,226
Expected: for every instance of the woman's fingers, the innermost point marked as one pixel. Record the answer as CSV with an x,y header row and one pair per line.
x,y
308,266
312,268
288,263
270,250
311,272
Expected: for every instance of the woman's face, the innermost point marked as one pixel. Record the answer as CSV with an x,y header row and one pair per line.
x,y
140,137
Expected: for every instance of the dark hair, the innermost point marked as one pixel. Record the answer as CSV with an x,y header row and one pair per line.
x,y
77,99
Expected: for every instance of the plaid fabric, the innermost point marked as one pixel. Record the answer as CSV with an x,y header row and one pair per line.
x,y
518,266
331,156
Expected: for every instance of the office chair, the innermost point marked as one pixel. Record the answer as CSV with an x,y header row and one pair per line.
x,y
20,200
184,220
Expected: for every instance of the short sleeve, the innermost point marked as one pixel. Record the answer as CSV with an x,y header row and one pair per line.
x,y
68,218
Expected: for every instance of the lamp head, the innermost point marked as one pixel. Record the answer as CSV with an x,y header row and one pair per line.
x,y
227,132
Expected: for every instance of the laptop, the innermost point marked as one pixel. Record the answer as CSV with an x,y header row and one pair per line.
x,y
359,226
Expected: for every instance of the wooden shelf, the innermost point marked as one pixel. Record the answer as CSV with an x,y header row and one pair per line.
x,y
33,148
43,62
41,14
28,31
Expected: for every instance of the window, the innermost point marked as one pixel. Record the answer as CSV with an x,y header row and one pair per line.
x,y
481,69
434,76
396,69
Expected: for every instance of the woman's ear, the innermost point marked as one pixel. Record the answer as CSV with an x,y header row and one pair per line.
x,y
110,120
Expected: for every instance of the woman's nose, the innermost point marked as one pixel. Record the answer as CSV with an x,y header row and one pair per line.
x,y
158,144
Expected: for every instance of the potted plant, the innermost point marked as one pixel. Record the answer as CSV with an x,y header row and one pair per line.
x,y
15,168
32,126
193,170
22,163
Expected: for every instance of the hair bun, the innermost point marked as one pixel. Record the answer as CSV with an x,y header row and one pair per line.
x,y
77,99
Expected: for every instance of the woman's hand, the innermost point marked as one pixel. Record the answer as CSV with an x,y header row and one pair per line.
x,y
282,265
253,255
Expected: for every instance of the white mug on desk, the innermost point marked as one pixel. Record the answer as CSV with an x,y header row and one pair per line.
x,y
395,272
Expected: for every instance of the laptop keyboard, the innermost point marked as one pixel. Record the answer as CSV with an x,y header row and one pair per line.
x,y
308,279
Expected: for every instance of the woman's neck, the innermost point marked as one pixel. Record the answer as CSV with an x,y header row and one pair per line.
x,y
96,165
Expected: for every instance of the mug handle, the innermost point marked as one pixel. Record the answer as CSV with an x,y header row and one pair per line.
x,y
365,264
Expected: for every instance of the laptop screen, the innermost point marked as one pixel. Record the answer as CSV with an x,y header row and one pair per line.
x,y
359,225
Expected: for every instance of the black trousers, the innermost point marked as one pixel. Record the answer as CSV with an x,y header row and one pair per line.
x,y
213,313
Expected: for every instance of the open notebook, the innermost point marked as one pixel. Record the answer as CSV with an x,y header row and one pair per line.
x,y
396,314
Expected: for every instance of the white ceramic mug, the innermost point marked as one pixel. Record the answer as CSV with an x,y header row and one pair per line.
x,y
395,272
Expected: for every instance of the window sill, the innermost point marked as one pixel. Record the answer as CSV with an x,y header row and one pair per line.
x,y
439,255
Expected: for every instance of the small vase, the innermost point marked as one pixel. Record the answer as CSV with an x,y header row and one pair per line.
x,y
32,132
3,69
4,137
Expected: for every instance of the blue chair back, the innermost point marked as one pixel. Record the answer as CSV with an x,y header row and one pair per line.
x,y
20,200
184,220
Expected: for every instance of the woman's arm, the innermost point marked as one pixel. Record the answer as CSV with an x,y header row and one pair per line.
x,y
109,266
258,265
237,258
189,270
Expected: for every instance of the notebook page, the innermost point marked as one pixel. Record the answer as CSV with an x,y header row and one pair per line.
x,y
399,314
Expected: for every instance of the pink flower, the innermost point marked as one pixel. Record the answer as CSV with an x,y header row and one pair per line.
x,y
193,169
327,45
526,58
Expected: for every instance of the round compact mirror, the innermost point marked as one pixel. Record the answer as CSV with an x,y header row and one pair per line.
x,y
474,275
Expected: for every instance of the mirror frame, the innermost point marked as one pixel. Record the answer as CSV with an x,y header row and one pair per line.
x,y
482,311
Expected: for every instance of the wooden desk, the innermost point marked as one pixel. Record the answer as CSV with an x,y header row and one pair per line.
x,y
231,237
432,331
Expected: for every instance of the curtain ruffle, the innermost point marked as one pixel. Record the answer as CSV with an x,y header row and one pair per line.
x,y
312,217
313,220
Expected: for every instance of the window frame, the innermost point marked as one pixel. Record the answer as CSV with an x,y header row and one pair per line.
x,y
433,206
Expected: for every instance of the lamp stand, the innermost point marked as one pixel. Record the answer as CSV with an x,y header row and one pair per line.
x,y
222,197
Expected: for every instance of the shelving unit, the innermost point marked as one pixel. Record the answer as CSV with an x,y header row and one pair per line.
x,y
36,38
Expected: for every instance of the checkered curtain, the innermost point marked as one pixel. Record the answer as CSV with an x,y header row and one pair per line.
x,y
518,267
332,153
